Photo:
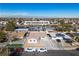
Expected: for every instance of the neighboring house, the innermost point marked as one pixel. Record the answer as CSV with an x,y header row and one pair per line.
x,y
22,23
17,23
36,23
3,22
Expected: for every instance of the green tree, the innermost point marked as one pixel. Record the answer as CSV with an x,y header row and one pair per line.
x,y
76,38
10,26
65,26
3,37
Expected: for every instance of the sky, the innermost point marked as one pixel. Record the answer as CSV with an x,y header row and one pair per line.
x,y
40,9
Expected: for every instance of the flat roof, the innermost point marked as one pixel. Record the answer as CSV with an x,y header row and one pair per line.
x,y
21,29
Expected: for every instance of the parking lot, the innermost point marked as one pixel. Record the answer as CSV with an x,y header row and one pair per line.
x,y
46,42
53,47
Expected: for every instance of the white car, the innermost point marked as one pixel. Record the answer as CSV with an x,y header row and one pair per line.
x,y
42,50
30,49
55,37
67,37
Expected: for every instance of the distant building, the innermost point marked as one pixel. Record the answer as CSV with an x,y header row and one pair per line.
x,y
21,30
36,22
3,22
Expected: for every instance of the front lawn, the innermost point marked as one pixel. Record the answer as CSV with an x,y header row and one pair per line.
x,y
14,45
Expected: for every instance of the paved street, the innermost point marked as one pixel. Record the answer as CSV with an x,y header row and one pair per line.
x,y
53,53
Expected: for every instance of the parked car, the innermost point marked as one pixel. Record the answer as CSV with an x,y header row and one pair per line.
x,y
42,50
19,49
70,34
69,41
14,52
58,40
77,49
64,36
55,38
30,49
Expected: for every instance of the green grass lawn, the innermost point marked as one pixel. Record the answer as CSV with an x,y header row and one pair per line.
x,y
14,45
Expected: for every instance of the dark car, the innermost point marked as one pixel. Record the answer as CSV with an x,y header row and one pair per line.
x,y
19,49
58,40
68,41
77,49
11,49
59,35
16,51
15,54
70,34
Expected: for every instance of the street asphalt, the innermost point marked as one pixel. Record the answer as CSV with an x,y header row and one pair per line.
x,y
53,53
